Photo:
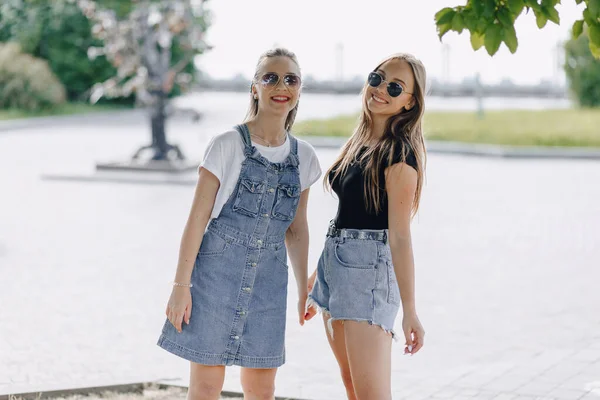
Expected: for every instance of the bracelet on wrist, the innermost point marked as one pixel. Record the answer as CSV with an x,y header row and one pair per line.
x,y
189,285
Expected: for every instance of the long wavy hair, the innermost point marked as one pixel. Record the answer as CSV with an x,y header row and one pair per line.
x,y
403,129
253,108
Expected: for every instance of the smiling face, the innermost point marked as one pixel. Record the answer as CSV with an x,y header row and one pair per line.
x,y
378,99
277,85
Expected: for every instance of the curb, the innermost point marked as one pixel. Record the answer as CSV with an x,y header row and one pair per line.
x,y
480,150
87,118
123,388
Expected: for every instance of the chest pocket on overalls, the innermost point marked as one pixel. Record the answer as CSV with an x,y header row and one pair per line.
x,y
286,202
248,197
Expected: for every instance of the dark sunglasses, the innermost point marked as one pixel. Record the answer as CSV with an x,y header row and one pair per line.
x,y
394,89
271,79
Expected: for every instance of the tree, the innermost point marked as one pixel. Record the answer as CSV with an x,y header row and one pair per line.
x,y
491,22
58,32
152,49
583,71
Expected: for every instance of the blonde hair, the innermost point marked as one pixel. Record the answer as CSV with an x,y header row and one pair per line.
x,y
403,129
253,108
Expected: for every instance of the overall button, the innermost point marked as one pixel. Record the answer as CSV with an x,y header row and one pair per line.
x,y
259,242
271,190
254,264
236,337
241,312
247,289
266,215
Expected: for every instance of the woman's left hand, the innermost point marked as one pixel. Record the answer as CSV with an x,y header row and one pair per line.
x,y
305,312
413,332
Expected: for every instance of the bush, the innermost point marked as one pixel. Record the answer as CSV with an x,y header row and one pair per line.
x,y
26,82
583,71
57,31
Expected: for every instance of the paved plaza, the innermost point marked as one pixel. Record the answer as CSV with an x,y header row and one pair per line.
x,y
507,256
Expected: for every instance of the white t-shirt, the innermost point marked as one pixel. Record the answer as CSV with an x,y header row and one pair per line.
x,y
225,155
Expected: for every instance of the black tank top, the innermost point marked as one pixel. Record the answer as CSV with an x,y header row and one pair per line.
x,y
353,212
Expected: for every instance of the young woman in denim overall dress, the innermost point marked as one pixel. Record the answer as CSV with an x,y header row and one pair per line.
x,y
228,305
378,179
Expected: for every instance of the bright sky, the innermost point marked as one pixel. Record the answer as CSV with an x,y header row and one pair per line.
x,y
369,31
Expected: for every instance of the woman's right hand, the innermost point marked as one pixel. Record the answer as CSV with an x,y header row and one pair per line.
x,y
311,311
311,281
179,308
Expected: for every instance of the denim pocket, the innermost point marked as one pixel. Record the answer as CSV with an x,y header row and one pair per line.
x,y
393,290
281,255
356,253
212,244
248,197
286,202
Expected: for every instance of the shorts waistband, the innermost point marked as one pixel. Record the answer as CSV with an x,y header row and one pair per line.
x,y
358,234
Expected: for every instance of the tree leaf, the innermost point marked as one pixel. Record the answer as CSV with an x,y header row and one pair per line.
x,y
477,7
535,6
477,40
595,49
540,19
595,34
516,7
594,7
493,38
483,24
470,20
443,29
444,16
587,17
552,15
577,28
510,39
489,8
505,17
458,23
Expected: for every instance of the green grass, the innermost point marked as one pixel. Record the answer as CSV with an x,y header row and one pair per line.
x,y
573,127
66,109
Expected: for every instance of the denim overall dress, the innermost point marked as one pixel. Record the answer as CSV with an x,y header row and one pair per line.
x,y
240,275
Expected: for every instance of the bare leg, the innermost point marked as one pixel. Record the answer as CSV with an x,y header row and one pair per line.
x,y
206,382
258,384
369,350
338,345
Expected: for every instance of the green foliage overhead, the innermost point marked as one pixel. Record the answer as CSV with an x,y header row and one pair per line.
x,y
492,22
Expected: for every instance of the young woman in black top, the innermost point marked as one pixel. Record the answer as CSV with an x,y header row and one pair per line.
x,y
366,270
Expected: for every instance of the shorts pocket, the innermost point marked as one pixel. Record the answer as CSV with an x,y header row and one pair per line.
x,y
393,290
361,254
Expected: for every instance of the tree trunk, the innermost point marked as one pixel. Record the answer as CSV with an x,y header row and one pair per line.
x,y
157,122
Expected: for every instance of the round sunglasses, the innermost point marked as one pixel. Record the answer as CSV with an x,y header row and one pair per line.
x,y
271,79
394,89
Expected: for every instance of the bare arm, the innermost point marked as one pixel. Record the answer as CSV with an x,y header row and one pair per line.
x,y
401,185
179,307
296,241
202,206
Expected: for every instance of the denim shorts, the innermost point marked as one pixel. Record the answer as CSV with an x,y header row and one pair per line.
x,y
356,279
